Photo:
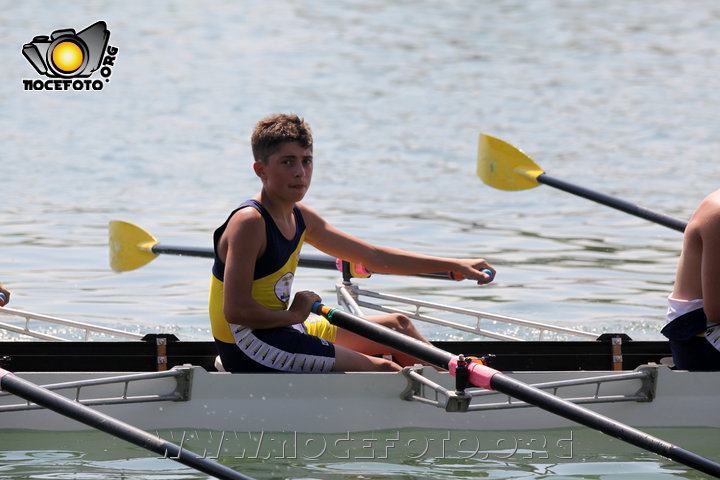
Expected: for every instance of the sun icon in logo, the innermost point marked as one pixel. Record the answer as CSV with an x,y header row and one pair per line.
x,y
67,56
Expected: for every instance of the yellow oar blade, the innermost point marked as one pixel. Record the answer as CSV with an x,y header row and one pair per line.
x,y
502,166
130,246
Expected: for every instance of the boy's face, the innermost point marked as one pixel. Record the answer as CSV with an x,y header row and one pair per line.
x,y
287,172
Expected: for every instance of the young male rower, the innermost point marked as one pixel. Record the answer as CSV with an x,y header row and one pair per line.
x,y
694,305
256,327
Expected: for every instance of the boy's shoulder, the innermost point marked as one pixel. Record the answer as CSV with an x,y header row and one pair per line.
x,y
705,220
245,216
308,213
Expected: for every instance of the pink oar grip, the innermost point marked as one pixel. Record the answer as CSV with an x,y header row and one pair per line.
x,y
478,374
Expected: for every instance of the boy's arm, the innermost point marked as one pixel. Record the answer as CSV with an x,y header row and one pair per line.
x,y
382,259
241,244
710,266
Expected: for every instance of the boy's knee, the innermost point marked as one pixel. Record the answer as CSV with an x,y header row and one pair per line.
x,y
400,322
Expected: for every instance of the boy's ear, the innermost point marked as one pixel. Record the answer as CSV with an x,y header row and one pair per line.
x,y
259,168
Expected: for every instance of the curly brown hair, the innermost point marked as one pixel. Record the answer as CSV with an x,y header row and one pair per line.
x,y
273,131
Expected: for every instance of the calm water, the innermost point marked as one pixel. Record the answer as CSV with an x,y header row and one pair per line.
x,y
622,97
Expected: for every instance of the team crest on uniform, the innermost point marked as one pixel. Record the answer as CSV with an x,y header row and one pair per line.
x,y
283,287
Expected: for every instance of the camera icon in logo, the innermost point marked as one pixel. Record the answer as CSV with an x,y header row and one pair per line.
x,y
68,54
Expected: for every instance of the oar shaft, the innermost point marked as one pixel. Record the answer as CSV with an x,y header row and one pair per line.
x,y
486,377
613,202
76,411
305,260
324,262
182,251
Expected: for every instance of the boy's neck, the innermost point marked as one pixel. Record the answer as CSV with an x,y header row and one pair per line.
x,y
276,207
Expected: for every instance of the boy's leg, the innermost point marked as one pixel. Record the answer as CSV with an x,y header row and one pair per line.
x,y
397,322
347,360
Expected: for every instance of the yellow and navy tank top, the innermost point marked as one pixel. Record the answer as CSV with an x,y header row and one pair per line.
x,y
274,270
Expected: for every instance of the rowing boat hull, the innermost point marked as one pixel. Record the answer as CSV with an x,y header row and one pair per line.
x,y
350,402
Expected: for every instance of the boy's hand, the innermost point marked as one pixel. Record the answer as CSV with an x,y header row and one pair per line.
x,y
302,304
471,268
4,296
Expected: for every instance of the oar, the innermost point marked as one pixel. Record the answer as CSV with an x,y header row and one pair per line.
x,y
3,299
132,247
486,377
502,166
64,406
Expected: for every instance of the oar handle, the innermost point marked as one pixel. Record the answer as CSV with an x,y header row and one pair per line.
x,y
487,272
321,309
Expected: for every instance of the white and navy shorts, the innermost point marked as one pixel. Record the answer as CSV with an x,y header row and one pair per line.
x,y
284,349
